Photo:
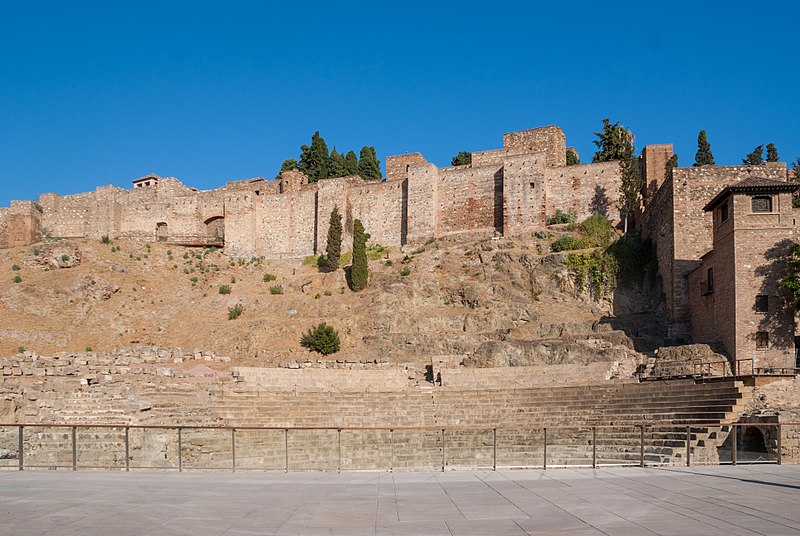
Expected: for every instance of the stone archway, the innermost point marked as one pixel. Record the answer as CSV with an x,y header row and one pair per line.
x,y
752,440
215,230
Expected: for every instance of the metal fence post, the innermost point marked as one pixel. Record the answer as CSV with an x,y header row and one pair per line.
x,y
641,445
443,454
688,446
494,449
74,449
734,445
780,450
180,450
339,441
21,448
233,450
594,447
286,447
127,450
391,453
544,450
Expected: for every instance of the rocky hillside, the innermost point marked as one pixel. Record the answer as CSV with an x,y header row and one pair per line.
x,y
484,303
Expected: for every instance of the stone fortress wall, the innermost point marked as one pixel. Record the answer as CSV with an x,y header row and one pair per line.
x,y
506,191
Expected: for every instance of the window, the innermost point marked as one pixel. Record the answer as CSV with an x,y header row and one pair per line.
x,y
723,213
762,340
533,186
762,303
710,280
762,203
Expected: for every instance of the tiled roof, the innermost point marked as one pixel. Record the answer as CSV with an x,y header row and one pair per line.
x,y
752,185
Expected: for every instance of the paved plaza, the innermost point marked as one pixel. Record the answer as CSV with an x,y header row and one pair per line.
x,y
710,501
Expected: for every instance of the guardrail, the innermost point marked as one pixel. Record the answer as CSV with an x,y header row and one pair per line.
x,y
714,369
131,447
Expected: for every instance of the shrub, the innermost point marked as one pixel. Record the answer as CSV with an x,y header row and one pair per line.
x,y
596,270
17,279
224,289
65,257
36,251
597,231
21,350
88,348
562,217
359,273
15,267
235,311
277,289
388,262
566,243
269,277
104,239
375,251
322,339
405,271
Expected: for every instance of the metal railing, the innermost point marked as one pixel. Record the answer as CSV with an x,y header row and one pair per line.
x,y
132,447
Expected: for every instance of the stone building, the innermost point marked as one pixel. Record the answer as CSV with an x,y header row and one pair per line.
x,y
734,296
507,192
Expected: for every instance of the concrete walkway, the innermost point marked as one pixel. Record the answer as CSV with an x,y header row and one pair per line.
x,y
712,501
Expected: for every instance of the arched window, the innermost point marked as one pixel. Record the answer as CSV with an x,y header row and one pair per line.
x,y
762,203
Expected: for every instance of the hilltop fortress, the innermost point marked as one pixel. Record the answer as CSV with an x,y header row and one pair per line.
x,y
716,229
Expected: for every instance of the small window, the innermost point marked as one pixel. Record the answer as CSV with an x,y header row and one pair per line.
x,y
533,186
762,303
408,167
762,203
710,280
723,213
762,340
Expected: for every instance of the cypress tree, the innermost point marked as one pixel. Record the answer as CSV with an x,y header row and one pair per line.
x,y
461,159
369,167
351,163
703,157
359,270
772,153
338,166
572,157
314,159
755,158
615,142
333,250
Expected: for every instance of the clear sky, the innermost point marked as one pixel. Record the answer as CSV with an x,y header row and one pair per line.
x,y
101,93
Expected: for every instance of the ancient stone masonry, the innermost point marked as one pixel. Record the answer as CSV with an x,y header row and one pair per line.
x,y
681,231
505,192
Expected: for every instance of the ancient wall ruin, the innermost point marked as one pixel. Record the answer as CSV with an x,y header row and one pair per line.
x,y
507,191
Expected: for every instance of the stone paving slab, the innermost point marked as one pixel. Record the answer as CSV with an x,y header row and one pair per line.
x,y
715,501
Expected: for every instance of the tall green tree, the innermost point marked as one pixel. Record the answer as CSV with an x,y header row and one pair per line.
x,y
351,162
755,158
333,251
338,166
314,159
369,167
461,159
615,142
359,272
704,156
772,153
572,157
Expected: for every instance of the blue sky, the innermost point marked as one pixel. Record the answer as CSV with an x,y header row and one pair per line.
x,y
102,93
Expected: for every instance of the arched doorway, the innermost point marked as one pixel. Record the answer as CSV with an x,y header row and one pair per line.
x,y
162,232
215,230
752,440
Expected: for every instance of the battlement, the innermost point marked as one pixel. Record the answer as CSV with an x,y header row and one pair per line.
x,y
507,191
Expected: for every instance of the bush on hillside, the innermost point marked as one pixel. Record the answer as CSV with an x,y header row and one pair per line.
x,y
597,231
562,217
322,339
566,243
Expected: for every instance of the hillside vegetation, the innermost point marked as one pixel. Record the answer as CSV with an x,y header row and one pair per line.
x,y
486,302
